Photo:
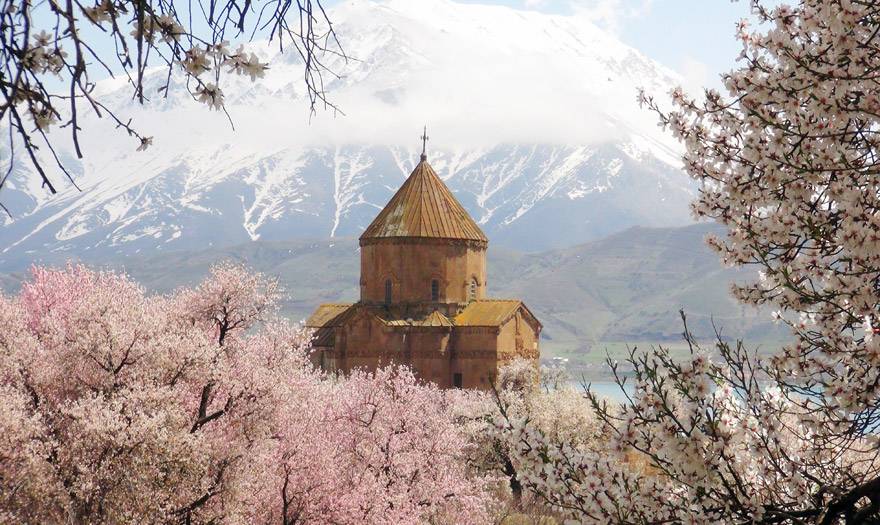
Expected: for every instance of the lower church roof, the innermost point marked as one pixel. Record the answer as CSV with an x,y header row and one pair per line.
x,y
487,312
329,315
482,313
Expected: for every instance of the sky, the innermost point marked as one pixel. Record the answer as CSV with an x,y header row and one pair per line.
x,y
693,37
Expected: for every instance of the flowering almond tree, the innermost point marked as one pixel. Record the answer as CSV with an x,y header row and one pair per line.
x,y
116,407
544,398
788,162
52,51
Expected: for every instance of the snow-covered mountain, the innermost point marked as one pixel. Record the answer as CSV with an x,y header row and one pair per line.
x,y
532,117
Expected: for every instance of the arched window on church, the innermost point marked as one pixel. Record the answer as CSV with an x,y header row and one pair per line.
x,y
435,290
388,286
472,290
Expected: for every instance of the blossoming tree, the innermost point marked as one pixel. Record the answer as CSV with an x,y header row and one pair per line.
x,y
52,51
787,160
547,400
116,407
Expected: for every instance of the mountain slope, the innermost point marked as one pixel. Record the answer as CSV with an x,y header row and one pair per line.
x,y
630,286
533,122
624,288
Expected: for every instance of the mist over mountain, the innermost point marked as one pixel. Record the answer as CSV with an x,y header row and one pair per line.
x,y
540,161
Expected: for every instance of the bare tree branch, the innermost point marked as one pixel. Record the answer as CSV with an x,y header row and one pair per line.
x,y
188,39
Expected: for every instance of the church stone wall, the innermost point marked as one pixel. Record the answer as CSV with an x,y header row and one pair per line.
x,y
475,356
366,345
517,338
436,354
369,345
429,355
412,264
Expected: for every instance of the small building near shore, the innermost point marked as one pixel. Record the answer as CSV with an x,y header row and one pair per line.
x,y
423,296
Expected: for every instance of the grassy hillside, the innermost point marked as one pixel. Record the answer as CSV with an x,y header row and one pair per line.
x,y
593,297
630,287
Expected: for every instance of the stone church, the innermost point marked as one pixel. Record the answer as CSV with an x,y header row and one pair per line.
x,y
423,296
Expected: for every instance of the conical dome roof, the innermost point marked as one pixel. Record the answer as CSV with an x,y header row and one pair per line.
x,y
424,207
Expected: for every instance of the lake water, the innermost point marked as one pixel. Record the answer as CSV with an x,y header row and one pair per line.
x,y
607,389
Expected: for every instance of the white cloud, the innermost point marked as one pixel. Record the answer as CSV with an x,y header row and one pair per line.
x,y
610,14
477,75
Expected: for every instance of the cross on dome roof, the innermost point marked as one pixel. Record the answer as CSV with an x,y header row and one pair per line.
x,y
424,138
